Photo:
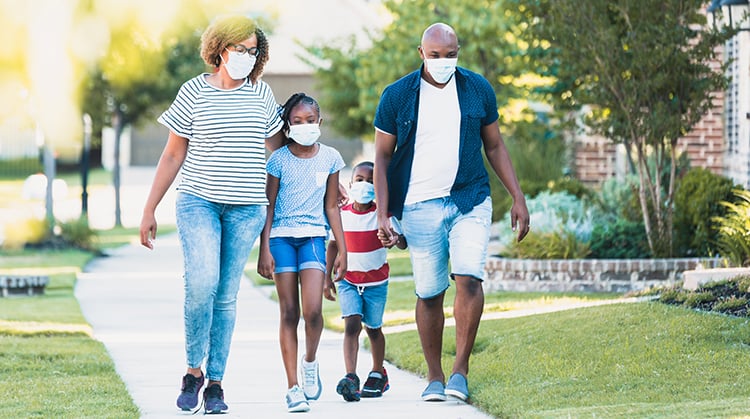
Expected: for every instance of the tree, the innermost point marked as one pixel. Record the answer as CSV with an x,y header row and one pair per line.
x,y
649,71
140,74
353,78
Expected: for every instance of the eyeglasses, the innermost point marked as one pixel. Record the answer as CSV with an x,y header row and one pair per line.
x,y
243,49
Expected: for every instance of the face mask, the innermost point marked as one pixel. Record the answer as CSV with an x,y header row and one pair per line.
x,y
362,192
441,69
239,65
304,134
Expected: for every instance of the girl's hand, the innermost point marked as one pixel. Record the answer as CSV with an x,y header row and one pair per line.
x,y
266,264
329,289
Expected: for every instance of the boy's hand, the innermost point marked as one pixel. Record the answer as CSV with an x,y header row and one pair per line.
x,y
329,289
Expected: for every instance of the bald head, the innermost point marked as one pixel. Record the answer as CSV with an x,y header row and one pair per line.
x,y
440,33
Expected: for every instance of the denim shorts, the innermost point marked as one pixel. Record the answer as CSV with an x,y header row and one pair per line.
x,y
366,302
293,254
436,231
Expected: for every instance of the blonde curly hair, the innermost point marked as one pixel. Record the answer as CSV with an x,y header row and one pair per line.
x,y
226,31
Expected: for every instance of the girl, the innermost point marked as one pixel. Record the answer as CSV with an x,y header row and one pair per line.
x,y
302,188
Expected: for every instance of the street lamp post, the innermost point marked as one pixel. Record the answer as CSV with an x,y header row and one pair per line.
x,y
85,158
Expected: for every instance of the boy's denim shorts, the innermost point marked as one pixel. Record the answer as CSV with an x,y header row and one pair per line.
x,y
293,254
436,232
366,302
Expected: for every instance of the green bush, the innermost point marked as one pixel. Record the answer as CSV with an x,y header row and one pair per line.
x,y
551,245
730,304
79,234
621,239
734,230
697,200
698,299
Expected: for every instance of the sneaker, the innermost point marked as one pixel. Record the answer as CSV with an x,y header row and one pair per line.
x,y
376,384
296,400
457,387
435,392
348,387
191,386
213,399
310,380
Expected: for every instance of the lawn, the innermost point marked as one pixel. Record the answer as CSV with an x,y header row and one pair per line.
x,y
51,367
615,361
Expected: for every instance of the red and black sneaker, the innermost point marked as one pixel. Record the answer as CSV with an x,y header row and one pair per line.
x,y
376,384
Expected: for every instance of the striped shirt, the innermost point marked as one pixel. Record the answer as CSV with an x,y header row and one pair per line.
x,y
226,132
366,257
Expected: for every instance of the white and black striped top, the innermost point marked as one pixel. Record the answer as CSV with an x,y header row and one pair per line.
x,y
226,132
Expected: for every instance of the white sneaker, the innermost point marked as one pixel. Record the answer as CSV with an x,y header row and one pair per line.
x,y
296,400
310,379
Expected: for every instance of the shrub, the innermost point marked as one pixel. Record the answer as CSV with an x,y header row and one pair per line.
x,y
621,239
79,234
554,245
697,200
698,299
734,230
731,304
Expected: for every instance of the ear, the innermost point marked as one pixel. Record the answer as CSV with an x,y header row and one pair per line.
x,y
421,53
320,121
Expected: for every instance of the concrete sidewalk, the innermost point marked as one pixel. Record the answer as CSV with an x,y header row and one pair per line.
x,y
133,301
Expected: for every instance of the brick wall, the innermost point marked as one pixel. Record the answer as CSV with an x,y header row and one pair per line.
x,y
591,275
595,158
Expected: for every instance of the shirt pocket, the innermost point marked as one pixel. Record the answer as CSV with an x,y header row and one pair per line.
x,y
321,178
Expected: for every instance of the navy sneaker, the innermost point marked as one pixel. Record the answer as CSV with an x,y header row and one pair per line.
x,y
376,384
213,399
191,386
348,387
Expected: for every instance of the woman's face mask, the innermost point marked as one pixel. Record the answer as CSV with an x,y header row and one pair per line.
x,y
239,65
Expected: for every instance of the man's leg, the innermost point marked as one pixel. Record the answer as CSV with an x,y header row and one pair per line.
x,y
430,321
467,311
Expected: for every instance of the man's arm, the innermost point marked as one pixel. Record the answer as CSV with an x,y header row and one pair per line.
x,y
385,144
497,155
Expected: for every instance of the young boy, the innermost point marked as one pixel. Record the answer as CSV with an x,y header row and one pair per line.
x,y
363,292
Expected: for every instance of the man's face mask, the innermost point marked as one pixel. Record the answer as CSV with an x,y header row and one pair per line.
x,y
441,69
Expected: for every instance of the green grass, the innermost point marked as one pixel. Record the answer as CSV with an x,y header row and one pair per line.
x,y
50,366
616,361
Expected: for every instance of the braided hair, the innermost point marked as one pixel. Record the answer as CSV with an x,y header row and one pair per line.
x,y
293,101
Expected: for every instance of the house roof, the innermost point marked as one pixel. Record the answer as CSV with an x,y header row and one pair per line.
x,y
317,22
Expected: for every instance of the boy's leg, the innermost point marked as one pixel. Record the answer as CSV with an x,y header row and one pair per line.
x,y
352,329
377,346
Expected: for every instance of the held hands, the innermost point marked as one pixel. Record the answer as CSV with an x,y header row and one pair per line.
x,y
388,239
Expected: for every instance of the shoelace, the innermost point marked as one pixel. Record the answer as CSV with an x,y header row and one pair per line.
x,y
310,377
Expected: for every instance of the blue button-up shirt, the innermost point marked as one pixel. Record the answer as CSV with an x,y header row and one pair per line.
x,y
397,115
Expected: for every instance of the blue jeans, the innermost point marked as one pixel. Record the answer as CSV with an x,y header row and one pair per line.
x,y
366,302
216,242
436,230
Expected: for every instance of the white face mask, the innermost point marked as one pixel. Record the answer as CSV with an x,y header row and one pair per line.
x,y
304,134
239,65
441,69
362,192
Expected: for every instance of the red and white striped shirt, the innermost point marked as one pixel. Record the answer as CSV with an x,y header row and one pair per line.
x,y
367,258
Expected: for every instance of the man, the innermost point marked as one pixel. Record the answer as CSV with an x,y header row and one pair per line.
x,y
430,128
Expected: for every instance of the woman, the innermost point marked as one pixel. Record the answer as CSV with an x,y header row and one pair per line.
x,y
218,126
